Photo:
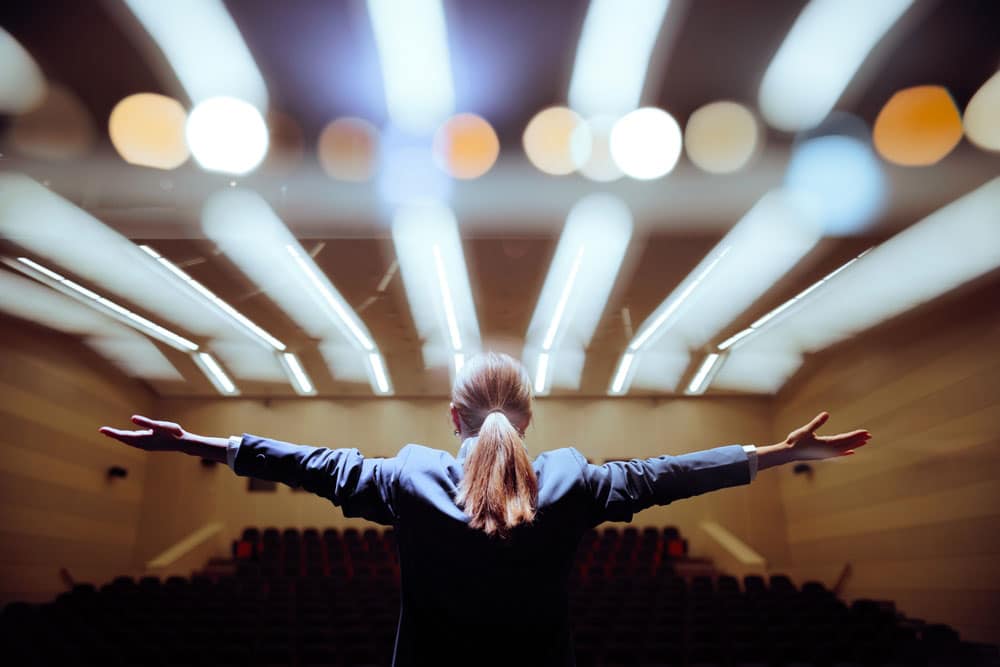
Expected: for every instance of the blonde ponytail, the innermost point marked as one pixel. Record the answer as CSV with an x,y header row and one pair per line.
x,y
499,489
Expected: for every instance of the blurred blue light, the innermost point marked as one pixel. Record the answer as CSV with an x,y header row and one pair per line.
x,y
844,180
407,173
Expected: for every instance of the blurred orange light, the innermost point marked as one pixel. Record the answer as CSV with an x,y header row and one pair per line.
x,y
721,137
148,130
59,128
918,126
982,115
549,140
286,145
466,146
348,149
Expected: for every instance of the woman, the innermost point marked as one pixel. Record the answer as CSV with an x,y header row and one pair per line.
x,y
487,539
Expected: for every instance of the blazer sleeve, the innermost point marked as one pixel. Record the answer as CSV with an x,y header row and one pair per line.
x,y
619,489
360,486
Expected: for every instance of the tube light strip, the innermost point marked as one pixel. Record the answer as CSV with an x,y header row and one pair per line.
x,y
330,299
623,368
563,300
214,299
541,372
118,312
675,304
698,384
449,306
459,361
214,371
742,336
300,381
381,379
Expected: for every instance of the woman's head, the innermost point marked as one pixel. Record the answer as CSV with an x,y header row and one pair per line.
x,y
492,398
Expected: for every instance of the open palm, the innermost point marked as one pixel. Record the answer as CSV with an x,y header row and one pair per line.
x,y
808,445
156,436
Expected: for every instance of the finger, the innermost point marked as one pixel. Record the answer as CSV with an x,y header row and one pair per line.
x,y
846,439
818,421
847,453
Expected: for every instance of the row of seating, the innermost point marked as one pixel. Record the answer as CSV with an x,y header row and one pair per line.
x,y
648,618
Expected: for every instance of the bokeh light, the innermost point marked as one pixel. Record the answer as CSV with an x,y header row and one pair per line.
x,y
548,140
646,143
590,147
466,146
407,173
348,149
286,144
918,126
842,178
721,137
148,130
982,115
227,134
58,128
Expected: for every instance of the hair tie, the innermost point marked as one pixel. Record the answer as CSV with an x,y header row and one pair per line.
x,y
500,410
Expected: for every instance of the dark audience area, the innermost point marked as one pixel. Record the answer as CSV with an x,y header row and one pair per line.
x,y
330,598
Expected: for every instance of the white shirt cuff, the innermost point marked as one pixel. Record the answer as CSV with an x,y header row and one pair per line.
x,y
751,451
234,446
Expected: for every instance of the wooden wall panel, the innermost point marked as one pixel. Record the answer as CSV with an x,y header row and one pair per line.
x,y
917,511
58,509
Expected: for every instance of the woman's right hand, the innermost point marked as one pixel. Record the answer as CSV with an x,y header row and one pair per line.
x,y
809,446
155,436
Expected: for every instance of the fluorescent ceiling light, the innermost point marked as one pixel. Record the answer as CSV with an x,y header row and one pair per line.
x,y
698,382
412,44
378,371
541,373
744,335
959,242
449,306
102,304
22,84
132,353
32,216
330,296
300,381
820,55
432,266
213,371
771,238
618,384
247,230
583,271
613,55
258,333
204,48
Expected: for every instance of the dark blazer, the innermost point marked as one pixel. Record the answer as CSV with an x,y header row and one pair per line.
x,y
468,598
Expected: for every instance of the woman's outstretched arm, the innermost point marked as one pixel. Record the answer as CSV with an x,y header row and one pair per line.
x,y
359,485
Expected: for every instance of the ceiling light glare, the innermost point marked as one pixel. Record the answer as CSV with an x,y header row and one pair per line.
x,y
213,371
721,137
348,149
918,127
982,115
646,143
591,149
227,134
820,55
549,141
148,130
466,146
843,179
